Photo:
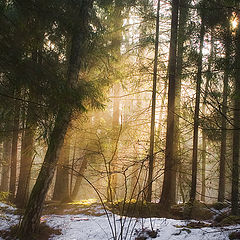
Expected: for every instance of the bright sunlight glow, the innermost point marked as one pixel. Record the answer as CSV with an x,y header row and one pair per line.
x,y
234,21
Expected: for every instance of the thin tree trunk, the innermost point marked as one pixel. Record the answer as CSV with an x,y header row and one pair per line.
x,y
236,132
168,194
72,165
204,136
204,147
222,174
161,118
152,132
31,220
6,164
13,170
196,119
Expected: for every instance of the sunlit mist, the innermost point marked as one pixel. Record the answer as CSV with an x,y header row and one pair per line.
x,y
234,21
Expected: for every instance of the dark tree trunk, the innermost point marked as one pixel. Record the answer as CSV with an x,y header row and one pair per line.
x,y
27,149
154,92
222,171
13,170
196,119
168,194
236,132
61,189
31,219
27,152
204,149
6,164
183,16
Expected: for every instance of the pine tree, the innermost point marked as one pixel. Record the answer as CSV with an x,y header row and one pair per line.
x,y
168,194
31,220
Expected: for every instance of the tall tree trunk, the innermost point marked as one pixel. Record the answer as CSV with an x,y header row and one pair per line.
x,y
6,164
236,132
152,132
222,174
204,149
168,194
183,16
13,170
196,119
61,189
27,152
204,136
31,220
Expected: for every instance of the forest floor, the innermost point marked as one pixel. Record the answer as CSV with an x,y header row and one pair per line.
x,y
88,220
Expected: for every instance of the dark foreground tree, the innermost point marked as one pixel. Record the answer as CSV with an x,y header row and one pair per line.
x,y
236,132
182,37
79,48
222,170
169,185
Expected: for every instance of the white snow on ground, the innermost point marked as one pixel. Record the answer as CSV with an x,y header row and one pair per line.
x,y
84,227
7,219
77,227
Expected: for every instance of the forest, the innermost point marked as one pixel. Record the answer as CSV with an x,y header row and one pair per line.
x,y
121,112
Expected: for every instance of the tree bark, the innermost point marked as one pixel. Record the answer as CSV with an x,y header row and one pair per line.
x,y
13,170
196,119
183,16
6,164
154,92
31,219
204,149
222,171
27,150
236,132
168,194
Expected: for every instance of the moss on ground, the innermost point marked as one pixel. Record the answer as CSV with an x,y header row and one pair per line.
x,y
230,220
197,210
